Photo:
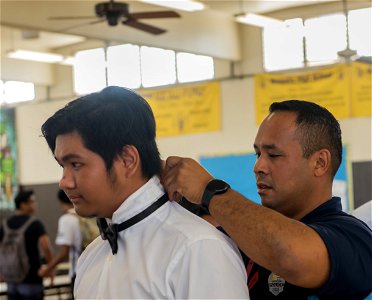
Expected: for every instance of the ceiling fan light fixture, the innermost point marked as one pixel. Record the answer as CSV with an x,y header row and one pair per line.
x,y
257,20
113,19
118,12
347,54
186,5
35,56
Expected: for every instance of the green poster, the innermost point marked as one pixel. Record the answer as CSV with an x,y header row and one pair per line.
x,y
8,154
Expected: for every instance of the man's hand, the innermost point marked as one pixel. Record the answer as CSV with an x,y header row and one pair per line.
x,y
184,177
46,272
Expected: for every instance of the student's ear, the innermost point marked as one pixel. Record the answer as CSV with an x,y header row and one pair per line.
x,y
130,159
322,162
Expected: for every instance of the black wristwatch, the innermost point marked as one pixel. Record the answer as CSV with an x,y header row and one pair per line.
x,y
214,187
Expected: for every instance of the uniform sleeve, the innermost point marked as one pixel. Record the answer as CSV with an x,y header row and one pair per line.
x,y
349,246
65,233
208,269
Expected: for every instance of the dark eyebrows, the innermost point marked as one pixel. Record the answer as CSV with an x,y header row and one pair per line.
x,y
67,157
266,147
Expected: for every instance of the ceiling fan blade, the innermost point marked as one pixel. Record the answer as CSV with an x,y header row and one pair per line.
x,y
81,25
143,27
155,14
72,18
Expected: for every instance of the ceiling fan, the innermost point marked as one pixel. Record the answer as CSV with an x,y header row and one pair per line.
x,y
115,12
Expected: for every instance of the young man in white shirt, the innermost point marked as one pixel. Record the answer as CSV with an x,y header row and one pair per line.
x,y
68,239
105,144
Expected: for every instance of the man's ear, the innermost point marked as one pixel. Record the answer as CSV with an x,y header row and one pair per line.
x,y
322,161
130,159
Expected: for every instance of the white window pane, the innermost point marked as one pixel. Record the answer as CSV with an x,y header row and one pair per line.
x,y
360,31
283,46
191,67
123,66
89,71
2,96
325,36
17,91
158,66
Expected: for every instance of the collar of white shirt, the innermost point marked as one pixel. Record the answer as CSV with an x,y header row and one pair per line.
x,y
138,201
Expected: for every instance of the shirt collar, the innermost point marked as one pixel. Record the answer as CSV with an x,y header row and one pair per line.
x,y
138,201
330,206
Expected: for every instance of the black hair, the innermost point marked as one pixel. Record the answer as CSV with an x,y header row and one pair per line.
x,y
62,197
317,129
107,121
23,196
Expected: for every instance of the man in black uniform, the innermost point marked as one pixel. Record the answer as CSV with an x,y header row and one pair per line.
x,y
31,288
300,243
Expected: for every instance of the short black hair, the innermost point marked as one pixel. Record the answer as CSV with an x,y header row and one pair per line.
x,y
62,197
107,121
317,129
23,196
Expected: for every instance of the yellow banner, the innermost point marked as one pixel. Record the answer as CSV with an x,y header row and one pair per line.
x,y
361,92
183,110
328,87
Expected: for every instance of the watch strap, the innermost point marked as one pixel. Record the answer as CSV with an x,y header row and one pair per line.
x,y
214,187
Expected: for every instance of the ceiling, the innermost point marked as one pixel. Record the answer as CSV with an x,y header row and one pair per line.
x,y
32,17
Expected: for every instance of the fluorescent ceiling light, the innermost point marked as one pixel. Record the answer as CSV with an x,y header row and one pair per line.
x,y
35,56
187,5
68,61
257,20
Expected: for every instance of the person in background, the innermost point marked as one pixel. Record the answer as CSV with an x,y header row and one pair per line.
x,y
36,237
68,238
300,243
150,247
364,213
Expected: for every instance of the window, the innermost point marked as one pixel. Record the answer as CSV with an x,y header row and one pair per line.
x,y
191,67
133,66
158,66
325,36
2,96
317,41
16,91
89,71
283,46
123,66
360,31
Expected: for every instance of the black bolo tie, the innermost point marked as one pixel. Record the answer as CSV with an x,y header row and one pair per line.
x,y
110,231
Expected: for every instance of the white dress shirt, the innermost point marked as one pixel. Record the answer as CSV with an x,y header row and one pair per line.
x,y
364,213
171,254
69,234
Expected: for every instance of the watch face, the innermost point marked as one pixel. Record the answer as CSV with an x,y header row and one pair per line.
x,y
217,186
214,187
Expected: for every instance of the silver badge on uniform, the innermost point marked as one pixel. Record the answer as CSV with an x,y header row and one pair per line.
x,y
276,284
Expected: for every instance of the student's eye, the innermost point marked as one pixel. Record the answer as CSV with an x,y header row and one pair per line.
x,y
257,154
274,155
76,165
